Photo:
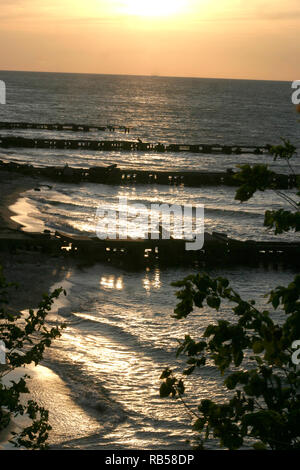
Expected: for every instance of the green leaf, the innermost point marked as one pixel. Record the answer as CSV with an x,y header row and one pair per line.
x,y
259,446
258,347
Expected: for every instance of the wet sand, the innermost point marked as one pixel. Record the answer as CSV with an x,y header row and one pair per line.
x,y
11,186
34,272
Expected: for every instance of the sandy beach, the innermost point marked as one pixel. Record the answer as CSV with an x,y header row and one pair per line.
x,y
34,273
12,185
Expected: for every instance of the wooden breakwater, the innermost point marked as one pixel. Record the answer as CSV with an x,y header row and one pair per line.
x,y
217,249
114,175
63,127
127,146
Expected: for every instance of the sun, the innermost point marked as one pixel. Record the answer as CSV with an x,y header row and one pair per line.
x,y
153,8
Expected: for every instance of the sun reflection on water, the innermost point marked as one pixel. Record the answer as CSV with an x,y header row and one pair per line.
x,y
152,280
112,282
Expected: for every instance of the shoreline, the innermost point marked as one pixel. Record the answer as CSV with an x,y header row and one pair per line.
x,y
11,188
35,274
49,390
220,249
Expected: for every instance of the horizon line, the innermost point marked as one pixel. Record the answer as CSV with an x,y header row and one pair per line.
x,y
147,75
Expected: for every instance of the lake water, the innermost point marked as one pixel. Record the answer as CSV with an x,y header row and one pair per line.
x,y
120,333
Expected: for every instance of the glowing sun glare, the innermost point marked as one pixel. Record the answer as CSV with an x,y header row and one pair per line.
x,y
154,7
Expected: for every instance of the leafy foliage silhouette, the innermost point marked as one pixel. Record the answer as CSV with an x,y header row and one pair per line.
x,y
254,352
25,337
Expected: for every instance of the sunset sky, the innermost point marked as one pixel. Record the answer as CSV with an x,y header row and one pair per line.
x,y
257,39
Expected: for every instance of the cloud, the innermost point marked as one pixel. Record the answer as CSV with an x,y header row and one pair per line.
x,y
277,10
281,15
14,3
